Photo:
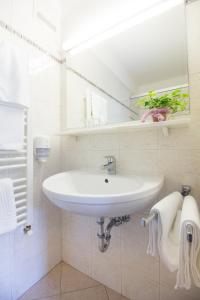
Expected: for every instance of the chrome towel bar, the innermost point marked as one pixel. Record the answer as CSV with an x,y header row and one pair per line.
x,y
185,191
145,221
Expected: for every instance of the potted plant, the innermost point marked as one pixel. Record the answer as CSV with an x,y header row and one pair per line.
x,y
160,106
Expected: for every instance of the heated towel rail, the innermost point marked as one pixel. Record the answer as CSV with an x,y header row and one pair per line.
x,y
17,165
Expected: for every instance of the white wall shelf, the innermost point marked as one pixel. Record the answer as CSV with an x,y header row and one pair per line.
x,y
130,126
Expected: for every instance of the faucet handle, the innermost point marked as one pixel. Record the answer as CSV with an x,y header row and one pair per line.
x,y
110,158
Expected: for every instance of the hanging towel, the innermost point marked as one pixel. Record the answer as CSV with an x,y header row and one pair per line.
x,y
8,219
11,128
14,77
164,230
189,253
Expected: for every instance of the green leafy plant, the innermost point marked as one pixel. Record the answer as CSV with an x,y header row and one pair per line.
x,y
174,101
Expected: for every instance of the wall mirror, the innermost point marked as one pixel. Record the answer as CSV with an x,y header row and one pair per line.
x,y
107,75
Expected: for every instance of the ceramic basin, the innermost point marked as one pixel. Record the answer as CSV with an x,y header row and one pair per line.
x,y
102,195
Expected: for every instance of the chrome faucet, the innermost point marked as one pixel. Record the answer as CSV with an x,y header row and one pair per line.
x,y
110,166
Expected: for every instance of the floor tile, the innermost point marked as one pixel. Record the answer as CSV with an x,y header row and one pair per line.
x,y
52,298
47,286
95,293
73,280
112,295
167,293
66,283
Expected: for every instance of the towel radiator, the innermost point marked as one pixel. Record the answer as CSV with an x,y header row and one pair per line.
x,y
18,165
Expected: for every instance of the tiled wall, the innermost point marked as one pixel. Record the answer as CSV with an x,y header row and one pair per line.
x,y
23,259
125,267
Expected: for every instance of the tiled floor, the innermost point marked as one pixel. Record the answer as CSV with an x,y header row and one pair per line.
x,y
66,283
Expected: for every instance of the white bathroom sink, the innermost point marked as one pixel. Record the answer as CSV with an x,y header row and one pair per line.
x,y
101,195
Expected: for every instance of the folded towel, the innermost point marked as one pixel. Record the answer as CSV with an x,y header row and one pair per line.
x,y
189,253
11,128
14,74
164,230
8,219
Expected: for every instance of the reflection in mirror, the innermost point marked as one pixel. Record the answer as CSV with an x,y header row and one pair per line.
x,y
104,81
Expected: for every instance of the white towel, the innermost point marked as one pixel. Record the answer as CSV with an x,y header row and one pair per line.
x,y
11,128
163,231
14,81
189,253
8,219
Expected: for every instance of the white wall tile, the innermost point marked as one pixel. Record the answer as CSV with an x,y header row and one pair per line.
x,y
138,140
50,10
78,255
105,142
22,16
23,259
138,285
167,290
107,272
5,291
193,23
145,161
6,11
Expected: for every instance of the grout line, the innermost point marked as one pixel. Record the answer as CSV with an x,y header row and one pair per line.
x,y
61,271
39,281
10,29
41,298
82,289
159,290
107,293
69,292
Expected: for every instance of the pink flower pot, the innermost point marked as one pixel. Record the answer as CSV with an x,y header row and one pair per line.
x,y
157,114
159,117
